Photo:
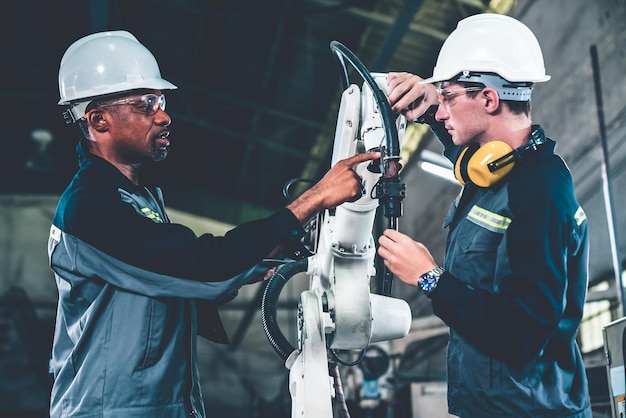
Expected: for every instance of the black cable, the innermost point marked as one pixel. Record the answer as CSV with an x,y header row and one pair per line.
x,y
346,362
391,134
340,399
291,182
270,301
389,190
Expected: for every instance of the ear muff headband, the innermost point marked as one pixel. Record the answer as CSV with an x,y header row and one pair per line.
x,y
487,165
460,167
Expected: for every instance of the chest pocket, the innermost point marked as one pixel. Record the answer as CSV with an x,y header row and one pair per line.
x,y
472,257
485,238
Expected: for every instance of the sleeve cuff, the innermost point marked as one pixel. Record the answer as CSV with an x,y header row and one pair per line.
x,y
429,116
292,246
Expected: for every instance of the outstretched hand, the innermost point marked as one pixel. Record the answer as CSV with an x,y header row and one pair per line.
x,y
340,184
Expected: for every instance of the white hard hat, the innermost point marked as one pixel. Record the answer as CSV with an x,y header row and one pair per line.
x,y
106,63
491,43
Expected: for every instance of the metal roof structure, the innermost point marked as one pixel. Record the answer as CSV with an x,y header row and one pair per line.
x,y
258,85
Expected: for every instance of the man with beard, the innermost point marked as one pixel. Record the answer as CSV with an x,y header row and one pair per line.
x,y
134,289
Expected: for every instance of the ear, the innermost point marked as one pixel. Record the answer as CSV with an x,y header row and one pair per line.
x,y
98,120
490,99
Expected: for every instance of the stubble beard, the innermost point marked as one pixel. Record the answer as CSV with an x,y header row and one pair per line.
x,y
158,153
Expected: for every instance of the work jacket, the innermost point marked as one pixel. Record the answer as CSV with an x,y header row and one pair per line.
x,y
513,292
135,290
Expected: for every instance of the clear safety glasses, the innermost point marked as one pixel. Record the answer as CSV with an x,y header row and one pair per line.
x,y
445,96
147,104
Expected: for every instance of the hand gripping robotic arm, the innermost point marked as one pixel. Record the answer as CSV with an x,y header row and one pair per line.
x,y
339,312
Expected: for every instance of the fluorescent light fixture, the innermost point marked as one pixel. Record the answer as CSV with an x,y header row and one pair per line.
x,y
437,164
444,173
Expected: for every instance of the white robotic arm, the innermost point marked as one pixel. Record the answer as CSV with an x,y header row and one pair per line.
x,y
339,312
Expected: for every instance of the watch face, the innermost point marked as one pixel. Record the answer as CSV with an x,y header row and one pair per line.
x,y
428,281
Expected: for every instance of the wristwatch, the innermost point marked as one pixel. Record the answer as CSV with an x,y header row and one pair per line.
x,y
428,281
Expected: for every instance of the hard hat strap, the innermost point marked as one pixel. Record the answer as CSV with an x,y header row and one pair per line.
x,y
513,91
75,112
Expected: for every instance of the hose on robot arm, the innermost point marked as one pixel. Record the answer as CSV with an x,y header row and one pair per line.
x,y
277,339
269,305
390,190
391,134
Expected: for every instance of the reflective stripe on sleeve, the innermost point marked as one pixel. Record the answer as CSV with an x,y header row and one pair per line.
x,y
55,233
580,216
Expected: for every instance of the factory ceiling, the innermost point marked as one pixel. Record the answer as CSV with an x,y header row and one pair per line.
x,y
259,86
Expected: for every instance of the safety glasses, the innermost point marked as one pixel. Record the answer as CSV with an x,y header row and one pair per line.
x,y
147,104
445,96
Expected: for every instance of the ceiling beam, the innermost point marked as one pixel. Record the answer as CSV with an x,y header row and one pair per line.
x,y
386,19
248,138
396,34
98,15
270,65
260,107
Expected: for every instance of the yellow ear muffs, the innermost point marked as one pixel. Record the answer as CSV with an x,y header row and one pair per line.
x,y
473,164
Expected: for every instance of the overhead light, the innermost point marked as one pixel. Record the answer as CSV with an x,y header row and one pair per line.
x,y
437,165
40,161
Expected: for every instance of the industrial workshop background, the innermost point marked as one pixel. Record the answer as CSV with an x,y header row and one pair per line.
x,y
257,106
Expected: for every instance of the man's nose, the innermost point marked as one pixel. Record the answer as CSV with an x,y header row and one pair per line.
x,y
441,113
163,118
